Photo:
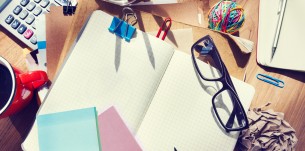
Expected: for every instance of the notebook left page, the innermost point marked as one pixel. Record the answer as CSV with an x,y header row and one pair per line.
x,y
104,70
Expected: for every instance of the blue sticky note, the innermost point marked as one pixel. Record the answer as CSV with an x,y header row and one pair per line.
x,y
75,130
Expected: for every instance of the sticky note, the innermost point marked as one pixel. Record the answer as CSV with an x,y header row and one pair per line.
x,y
75,130
114,134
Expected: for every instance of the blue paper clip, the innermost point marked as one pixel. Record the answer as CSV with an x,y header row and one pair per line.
x,y
271,80
121,27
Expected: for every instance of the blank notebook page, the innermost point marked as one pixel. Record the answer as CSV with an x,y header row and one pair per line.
x,y
180,114
104,70
290,49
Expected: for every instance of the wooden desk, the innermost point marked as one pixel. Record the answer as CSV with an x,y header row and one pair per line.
x,y
290,100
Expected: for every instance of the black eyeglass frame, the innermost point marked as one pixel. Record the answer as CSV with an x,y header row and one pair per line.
x,y
227,85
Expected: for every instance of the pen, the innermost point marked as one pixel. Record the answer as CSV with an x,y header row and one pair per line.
x,y
278,28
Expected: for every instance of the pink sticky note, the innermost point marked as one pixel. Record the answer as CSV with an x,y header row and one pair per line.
x,y
114,134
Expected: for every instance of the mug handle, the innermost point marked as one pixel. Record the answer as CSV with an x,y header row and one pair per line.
x,y
36,78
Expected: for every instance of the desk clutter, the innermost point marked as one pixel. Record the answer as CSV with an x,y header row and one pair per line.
x,y
149,102
122,85
268,131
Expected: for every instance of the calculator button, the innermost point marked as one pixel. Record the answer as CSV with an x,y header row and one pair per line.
x,y
31,6
30,19
33,40
44,3
28,34
9,19
24,2
17,10
21,29
37,1
23,14
34,25
15,24
37,11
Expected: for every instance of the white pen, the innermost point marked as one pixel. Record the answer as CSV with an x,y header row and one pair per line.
x,y
278,27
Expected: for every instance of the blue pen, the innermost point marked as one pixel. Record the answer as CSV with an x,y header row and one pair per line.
x,y
271,80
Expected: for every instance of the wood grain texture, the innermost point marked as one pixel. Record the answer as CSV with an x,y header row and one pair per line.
x,y
289,100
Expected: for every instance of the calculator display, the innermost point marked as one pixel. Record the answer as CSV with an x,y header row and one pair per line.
x,y
3,3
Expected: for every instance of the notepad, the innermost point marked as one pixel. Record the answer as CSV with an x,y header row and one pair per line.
x,y
290,50
150,83
114,133
70,130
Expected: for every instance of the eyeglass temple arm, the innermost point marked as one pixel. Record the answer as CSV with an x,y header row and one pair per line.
x,y
236,110
220,64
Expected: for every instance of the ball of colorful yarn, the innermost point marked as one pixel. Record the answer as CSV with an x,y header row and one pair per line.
x,y
226,16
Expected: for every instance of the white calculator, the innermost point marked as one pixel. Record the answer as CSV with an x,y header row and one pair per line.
x,y
18,17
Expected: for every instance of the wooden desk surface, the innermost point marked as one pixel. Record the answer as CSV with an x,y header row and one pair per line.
x,y
289,100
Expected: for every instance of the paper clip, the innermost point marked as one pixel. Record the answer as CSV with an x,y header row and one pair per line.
x,y
271,80
167,27
124,27
69,9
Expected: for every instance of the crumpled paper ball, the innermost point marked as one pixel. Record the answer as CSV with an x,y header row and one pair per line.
x,y
267,131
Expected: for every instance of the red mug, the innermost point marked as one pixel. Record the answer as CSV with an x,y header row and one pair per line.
x,y
17,88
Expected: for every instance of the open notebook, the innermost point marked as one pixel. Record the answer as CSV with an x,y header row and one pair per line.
x,y
290,50
154,87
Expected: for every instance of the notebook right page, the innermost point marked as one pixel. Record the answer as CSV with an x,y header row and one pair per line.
x,y
181,113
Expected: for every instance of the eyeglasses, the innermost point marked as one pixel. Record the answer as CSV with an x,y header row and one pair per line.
x,y
226,104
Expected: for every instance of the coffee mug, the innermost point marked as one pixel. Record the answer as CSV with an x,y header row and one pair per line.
x,y
17,88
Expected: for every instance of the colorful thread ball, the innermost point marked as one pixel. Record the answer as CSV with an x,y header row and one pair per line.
x,y
226,16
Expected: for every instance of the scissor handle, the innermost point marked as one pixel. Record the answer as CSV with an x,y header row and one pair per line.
x,y
167,23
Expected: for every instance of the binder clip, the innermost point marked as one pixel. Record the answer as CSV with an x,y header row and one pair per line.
x,y
124,27
167,27
69,9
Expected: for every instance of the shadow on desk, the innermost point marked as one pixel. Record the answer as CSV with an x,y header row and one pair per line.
x,y
16,128
11,36
300,76
241,58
